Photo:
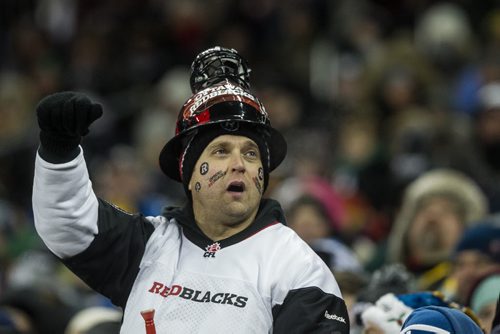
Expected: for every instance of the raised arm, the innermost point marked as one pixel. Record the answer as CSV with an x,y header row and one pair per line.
x,y
100,243
64,205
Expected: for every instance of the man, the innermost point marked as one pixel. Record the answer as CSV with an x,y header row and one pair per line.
x,y
223,263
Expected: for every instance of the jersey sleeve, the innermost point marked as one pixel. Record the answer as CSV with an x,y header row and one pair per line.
x,y
65,207
307,299
100,243
111,262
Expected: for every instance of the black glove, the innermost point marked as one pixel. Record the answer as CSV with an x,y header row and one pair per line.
x,y
63,119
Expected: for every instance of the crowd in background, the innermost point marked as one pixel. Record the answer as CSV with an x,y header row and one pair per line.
x,y
391,110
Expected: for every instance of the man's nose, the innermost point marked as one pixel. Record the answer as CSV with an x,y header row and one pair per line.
x,y
237,162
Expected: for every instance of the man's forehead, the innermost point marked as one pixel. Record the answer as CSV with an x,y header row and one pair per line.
x,y
232,139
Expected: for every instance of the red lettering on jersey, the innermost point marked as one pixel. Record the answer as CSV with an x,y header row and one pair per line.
x,y
156,287
175,290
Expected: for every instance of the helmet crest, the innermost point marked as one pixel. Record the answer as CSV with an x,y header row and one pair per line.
x,y
218,64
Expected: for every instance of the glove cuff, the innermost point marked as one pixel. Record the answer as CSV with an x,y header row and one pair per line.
x,y
57,148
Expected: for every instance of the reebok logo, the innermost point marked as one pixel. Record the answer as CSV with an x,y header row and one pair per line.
x,y
334,317
198,296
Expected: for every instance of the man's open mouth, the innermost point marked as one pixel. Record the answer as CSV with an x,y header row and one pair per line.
x,y
236,187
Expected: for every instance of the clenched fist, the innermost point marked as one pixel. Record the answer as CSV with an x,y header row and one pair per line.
x,y
63,119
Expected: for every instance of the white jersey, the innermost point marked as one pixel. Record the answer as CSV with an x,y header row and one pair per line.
x,y
167,274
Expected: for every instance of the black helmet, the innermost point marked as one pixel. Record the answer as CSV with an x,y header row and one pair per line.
x,y
218,64
222,102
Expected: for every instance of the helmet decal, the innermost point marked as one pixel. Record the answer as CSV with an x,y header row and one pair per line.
x,y
211,94
206,107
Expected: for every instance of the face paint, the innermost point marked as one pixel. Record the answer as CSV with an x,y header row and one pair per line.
x,y
214,178
261,173
197,186
204,168
257,184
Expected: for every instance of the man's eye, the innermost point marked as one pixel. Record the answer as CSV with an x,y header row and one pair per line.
x,y
251,154
219,151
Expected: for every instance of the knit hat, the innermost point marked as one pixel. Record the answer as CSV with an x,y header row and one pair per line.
x,y
390,311
483,237
439,320
196,144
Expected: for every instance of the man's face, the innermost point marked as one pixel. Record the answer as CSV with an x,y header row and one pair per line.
x,y
228,179
309,224
434,231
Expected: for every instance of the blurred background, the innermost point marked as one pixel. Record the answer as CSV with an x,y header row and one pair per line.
x,y
391,110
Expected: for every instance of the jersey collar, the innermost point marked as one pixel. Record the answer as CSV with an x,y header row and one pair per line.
x,y
270,213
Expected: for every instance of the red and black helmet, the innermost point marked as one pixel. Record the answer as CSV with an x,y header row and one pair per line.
x,y
222,104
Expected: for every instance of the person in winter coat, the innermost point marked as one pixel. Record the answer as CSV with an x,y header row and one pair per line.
x,y
436,209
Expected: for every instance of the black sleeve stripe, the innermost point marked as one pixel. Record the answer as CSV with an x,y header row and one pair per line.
x,y
310,310
111,263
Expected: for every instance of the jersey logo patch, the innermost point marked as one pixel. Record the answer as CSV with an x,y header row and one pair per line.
x,y
334,317
210,250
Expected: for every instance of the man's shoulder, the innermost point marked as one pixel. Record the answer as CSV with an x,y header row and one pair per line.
x,y
157,221
288,245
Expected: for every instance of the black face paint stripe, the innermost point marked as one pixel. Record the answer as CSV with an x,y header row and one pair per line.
x,y
257,184
214,178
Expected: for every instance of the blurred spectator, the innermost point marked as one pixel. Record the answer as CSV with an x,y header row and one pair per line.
x,y
308,175
495,327
385,316
44,311
351,284
481,158
361,178
17,236
17,137
437,207
439,319
14,321
95,320
476,253
391,279
444,35
156,123
483,298
120,178
308,217
359,159
478,156
390,311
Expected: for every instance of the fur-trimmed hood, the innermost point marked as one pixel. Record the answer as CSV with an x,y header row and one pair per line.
x,y
442,182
